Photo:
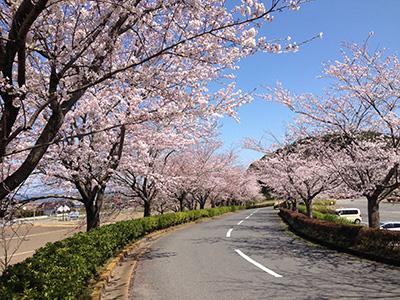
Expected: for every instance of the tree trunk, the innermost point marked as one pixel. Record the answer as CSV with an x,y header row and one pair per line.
x,y
181,204
373,212
93,208
181,199
147,208
93,201
190,203
286,204
35,155
294,205
309,210
202,203
92,216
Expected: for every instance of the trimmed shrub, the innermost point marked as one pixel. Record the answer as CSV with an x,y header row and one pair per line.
x,y
63,270
377,244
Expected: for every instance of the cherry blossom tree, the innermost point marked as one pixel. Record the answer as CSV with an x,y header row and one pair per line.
x,y
215,178
84,164
180,171
143,174
236,186
143,185
203,175
360,112
207,168
297,171
87,156
53,53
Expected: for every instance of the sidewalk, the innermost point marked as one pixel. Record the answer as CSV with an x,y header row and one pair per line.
x,y
120,278
121,275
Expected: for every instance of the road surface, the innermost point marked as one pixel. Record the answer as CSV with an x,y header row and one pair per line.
x,y
250,255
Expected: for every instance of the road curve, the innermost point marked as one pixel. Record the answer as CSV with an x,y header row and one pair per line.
x,y
203,262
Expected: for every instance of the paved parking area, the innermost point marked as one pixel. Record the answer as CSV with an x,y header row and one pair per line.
x,y
388,211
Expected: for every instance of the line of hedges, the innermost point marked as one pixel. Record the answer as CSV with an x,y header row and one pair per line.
x,y
64,269
372,243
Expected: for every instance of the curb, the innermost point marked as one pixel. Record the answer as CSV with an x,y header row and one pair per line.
x,y
140,247
107,273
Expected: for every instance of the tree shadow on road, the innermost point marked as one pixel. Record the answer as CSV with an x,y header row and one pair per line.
x,y
156,253
309,271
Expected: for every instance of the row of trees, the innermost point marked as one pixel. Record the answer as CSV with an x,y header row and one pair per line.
x,y
159,175
96,92
297,172
346,142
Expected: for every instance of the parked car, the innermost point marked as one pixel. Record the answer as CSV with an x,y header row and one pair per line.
x,y
351,214
73,215
392,226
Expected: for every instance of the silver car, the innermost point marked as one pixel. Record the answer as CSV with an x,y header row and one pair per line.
x,y
392,226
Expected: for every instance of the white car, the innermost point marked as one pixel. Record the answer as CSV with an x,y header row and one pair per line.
x,y
351,214
392,226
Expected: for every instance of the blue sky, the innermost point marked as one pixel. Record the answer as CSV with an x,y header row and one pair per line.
x,y
340,21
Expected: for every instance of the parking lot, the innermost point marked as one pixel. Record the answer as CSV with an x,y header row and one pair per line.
x,y
388,211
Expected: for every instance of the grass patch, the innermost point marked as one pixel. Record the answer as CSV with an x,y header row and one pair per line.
x,y
325,213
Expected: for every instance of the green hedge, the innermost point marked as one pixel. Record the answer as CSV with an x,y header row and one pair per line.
x,y
63,270
377,244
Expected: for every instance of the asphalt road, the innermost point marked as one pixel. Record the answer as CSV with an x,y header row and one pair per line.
x,y
211,261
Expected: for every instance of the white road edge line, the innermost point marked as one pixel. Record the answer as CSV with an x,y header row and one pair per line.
x,y
250,260
228,234
240,222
